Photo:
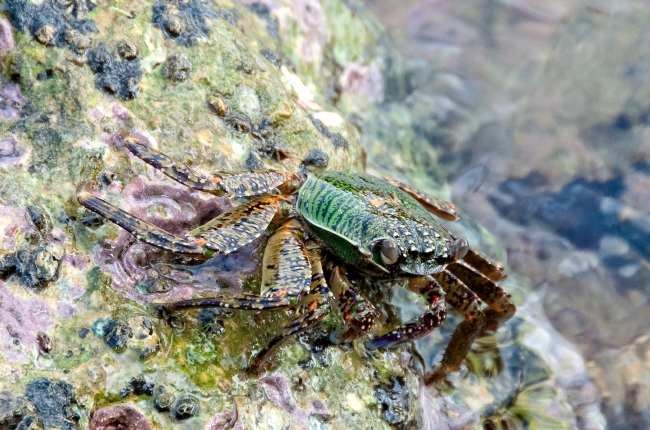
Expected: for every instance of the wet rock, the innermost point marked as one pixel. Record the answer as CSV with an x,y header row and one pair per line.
x,y
116,334
239,122
127,50
12,153
55,403
15,411
38,218
6,37
138,386
218,106
77,41
153,286
45,343
230,16
177,68
394,400
320,126
272,57
120,78
184,409
49,21
253,162
163,399
262,130
273,148
34,267
582,211
211,320
22,320
92,220
262,10
12,102
184,22
316,159
226,419
339,141
118,417
364,83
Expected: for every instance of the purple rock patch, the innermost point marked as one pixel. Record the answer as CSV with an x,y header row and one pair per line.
x,y
12,101
20,322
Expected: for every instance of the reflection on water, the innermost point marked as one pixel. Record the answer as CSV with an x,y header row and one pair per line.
x,y
537,114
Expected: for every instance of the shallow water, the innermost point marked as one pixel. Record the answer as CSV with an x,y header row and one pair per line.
x,y
550,151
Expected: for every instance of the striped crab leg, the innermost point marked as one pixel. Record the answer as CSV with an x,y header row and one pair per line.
x,y
357,311
225,233
236,184
436,313
314,309
439,208
285,276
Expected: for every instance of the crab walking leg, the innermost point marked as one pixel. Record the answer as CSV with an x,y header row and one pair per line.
x,y
225,233
467,303
285,275
286,270
229,301
238,227
142,230
308,315
431,290
358,313
237,184
501,306
439,208
490,268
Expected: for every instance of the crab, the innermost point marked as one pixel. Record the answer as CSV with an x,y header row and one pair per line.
x,y
330,224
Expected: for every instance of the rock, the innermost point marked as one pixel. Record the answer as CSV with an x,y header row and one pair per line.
x,y
55,403
177,68
163,399
15,411
183,409
118,417
394,401
116,334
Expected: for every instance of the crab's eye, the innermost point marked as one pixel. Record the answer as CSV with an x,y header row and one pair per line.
x,y
460,248
389,252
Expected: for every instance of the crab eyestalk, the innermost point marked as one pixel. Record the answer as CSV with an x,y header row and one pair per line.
x,y
459,249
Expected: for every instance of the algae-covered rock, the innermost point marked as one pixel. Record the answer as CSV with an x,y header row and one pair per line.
x,y
219,86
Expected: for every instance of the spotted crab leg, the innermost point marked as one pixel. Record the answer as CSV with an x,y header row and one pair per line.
x,y
236,184
315,309
439,208
433,293
490,268
468,304
225,233
286,274
501,306
238,227
142,230
358,313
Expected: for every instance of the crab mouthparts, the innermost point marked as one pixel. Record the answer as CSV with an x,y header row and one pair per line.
x,y
419,267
